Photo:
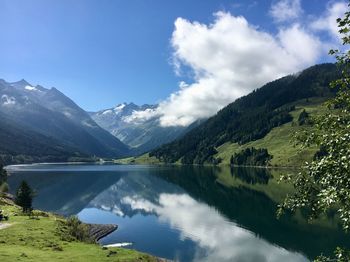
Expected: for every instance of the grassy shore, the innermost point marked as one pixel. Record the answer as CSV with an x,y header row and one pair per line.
x,y
39,239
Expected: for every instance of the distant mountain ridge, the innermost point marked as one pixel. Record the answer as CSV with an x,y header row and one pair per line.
x,y
142,136
49,113
115,119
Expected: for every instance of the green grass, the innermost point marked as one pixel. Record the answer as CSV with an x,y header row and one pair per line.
x,y
279,140
38,239
143,159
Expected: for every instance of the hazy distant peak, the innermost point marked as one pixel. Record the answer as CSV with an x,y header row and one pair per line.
x,y
54,89
121,122
22,83
119,107
41,88
130,104
148,106
127,106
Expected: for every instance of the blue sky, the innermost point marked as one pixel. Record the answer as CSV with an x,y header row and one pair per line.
x,y
104,52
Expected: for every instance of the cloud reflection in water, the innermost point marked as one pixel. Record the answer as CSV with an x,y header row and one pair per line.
x,y
220,239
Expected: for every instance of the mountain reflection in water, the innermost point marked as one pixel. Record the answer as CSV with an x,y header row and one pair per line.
x,y
183,213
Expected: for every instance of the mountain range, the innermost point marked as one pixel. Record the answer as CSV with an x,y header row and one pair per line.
x,y
45,123
141,136
40,124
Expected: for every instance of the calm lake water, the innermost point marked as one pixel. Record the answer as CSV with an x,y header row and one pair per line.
x,y
183,213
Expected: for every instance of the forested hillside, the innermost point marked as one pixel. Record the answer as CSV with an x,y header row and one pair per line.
x,y
251,117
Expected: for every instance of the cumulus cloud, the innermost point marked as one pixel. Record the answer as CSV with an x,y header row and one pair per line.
x,y
229,58
300,44
286,10
139,117
328,21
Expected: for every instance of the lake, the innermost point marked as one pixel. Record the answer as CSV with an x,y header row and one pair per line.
x,y
183,213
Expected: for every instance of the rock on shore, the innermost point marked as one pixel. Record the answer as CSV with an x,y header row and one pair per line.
x,y
98,231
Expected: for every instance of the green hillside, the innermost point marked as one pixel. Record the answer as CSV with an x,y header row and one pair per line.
x,y
265,118
279,141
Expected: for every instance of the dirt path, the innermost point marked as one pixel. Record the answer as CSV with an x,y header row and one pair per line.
x,y
4,225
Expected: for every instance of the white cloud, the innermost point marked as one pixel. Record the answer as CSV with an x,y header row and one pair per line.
x,y
328,21
229,58
300,44
139,117
286,10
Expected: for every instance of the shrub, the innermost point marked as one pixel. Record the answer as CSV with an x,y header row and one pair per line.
x,y
74,228
4,188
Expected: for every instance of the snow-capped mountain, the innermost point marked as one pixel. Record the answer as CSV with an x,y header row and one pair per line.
x,y
50,113
142,136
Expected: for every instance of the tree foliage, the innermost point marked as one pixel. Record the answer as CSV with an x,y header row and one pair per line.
x,y
251,157
324,184
24,196
303,118
4,188
3,174
74,228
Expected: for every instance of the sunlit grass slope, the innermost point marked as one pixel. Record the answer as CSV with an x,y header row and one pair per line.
x,y
279,141
28,239
143,159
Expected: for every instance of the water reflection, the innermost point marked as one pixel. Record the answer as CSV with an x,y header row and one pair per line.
x,y
183,213
66,193
251,175
217,238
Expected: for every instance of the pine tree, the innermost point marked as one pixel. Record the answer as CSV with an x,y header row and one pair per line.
x,y
24,197
3,174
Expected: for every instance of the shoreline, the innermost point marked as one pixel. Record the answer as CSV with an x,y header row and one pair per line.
x,y
52,239
99,231
96,231
8,167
